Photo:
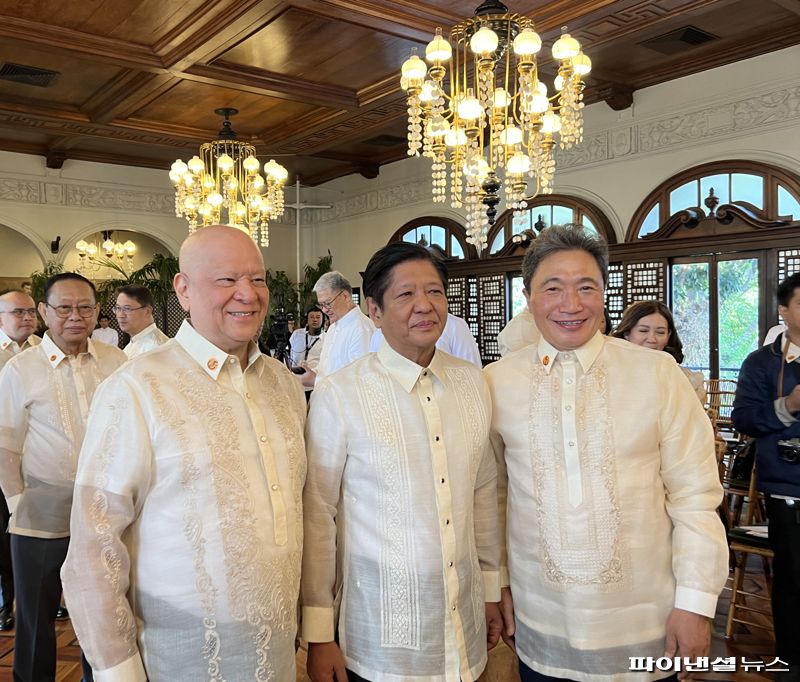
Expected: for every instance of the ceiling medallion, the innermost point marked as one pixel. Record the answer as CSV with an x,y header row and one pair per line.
x,y
223,185
491,123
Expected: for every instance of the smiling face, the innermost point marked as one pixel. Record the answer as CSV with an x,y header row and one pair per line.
x,y
566,298
651,331
223,287
414,310
17,328
70,334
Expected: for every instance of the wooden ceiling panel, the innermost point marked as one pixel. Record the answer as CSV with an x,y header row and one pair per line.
x,y
137,21
314,48
192,104
77,81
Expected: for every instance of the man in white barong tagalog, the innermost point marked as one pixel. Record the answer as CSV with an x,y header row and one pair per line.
x,y
45,396
134,310
608,486
187,521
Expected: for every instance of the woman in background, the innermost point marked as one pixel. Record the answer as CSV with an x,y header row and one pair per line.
x,y
650,324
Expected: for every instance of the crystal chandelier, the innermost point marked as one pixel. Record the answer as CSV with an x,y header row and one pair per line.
x,y
89,251
493,123
223,185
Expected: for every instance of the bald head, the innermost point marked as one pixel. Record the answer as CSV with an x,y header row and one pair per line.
x,y
17,315
196,248
222,285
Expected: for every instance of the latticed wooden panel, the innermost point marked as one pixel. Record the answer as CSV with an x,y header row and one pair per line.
x,y
615,292
456,287
492,301
644,281
173,317
788,263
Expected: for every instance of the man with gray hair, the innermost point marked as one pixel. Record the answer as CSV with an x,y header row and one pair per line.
x,y
608,486
348,337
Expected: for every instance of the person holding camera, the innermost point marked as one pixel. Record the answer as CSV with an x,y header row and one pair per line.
x,y
767,407
306,343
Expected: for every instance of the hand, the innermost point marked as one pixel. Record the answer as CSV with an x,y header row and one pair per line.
x,y
507,612
688,636
326,663
309,377
494,624
793,400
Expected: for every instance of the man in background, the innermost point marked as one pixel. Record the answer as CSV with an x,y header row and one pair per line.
x,y
134,310
46,393
104,333
17,327
350,332
767,407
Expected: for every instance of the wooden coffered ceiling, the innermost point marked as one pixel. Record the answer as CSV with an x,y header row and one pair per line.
x,y
315,80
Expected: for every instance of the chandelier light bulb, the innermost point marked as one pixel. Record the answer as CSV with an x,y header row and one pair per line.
x,y
241,210
558,82
551,122
438,50
251,164
537,103
276,171
500,100
484,42
215,199
438,127
527,43
258,182
519,164
414,68
130,248
179,167
108,246
566,47
455,137
541,86
469,108
225,164
195,165
581,64
511,136
91,250
477,168
429,92
82,246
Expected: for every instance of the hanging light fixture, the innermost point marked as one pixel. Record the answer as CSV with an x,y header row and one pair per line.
x,y
223,185
88,253
493,124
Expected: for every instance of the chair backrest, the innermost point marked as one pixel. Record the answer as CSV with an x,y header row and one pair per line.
x,y
720,394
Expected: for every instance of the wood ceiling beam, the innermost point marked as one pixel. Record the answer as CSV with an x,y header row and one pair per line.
x,y
125,95
69,41
792,6
262,82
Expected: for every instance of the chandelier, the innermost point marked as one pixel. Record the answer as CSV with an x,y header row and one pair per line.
x,y
223,185
88,253
493,123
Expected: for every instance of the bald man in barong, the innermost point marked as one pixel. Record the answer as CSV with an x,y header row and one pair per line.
x,y
187,518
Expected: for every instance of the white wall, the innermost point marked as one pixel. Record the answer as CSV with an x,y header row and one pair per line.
x,y
747,110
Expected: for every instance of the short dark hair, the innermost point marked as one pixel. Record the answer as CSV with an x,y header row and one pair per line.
x,y
139,293
786,289
378,272
636,311
103,316
63,277
568,237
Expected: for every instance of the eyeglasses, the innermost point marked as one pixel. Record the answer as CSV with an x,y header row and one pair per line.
x,y
117,309
21,312
329,304
64,311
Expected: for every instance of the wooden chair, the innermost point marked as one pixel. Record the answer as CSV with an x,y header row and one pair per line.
x,y
742,545
719,396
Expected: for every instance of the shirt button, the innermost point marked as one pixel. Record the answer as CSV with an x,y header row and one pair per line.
x,y
569,381
447,522
454,607
436,439
425,373
428,398
274,486
263,439
442,480
571,443
450,564
248,396
568,407
231,360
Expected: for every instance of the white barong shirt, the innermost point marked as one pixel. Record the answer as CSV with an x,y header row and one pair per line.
x,y
608,490
346,340
150,337
184,562
401,470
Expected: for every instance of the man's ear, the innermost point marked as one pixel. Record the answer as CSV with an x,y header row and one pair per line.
x,y
527,295
374,311
180,284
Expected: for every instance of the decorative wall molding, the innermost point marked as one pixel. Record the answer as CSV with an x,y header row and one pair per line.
x,y
72,195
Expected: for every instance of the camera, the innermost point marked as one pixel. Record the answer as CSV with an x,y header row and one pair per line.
x,y
279,334
789,450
